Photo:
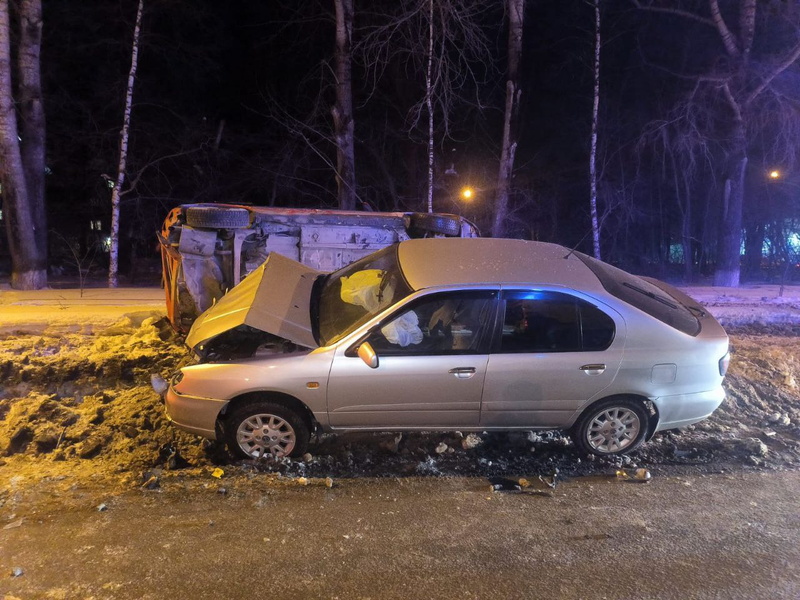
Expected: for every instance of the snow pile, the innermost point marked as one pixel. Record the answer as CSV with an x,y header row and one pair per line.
x,y
78,396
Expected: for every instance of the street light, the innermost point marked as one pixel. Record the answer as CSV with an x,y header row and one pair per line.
x,y
774,174
467,193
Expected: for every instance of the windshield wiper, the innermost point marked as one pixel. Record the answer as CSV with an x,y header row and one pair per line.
x,y
696,309
649,294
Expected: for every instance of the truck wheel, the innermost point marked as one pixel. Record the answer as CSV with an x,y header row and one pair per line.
x,y
210,217
430,223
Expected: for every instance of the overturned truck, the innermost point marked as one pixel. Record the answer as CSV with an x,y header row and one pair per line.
x,y
206,249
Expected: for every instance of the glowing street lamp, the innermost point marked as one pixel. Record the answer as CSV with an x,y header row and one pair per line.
x,y
467,193
774,174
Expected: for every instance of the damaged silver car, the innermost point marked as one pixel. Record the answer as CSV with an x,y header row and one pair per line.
x,y
206,249
449,334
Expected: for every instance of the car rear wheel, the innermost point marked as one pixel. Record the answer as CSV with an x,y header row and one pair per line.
x,y
615,426
262,428
211,217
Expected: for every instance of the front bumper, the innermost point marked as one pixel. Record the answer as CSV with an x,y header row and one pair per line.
x,y
685,409
193,413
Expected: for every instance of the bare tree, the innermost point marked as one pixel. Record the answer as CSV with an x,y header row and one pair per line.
x,y
342,111
516,20
441,40
22,155
741,82
593,144
123,153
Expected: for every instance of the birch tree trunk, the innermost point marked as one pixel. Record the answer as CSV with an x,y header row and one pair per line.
x,y
342,111
25,215
31,112
593,149
429,106
113,267
516,19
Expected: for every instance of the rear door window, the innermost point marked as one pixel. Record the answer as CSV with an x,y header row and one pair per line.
x,y
536,321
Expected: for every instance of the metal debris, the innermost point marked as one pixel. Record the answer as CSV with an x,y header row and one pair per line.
x,y
637,476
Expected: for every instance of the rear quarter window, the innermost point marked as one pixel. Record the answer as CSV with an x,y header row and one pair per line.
x,y
645,296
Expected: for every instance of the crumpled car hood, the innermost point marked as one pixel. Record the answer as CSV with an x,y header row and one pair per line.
x,y
274,298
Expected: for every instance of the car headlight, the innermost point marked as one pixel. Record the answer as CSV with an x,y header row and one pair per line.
x,y
724,362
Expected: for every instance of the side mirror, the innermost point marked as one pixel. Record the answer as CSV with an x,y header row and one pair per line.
x,y
367,354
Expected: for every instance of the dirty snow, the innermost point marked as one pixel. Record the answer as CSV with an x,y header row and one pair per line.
x,y
75,398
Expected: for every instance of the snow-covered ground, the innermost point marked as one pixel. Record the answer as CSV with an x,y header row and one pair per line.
x,y
73,310
75,396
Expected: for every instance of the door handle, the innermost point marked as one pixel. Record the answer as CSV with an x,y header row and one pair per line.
x,y
463,372
593,369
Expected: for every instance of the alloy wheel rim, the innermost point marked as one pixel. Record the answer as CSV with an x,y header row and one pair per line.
x,y
266,435
613,430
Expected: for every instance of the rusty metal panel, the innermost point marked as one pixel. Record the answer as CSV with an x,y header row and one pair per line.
x,y
328,248
195,241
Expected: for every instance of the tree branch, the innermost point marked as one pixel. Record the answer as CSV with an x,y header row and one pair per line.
x,y
735,107
747,24
136,179
727,37
779,68
674,11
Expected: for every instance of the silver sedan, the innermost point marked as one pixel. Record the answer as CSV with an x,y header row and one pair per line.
x,y
449,334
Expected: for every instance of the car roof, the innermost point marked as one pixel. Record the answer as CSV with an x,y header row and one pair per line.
x,y
433,262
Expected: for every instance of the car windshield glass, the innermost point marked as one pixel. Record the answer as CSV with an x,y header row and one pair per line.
x,y
643,295
353,295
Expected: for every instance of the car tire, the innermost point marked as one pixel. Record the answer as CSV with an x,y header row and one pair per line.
x,y
260,428
427,222
210,217
611,427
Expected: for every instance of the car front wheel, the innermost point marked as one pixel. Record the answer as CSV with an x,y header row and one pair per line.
x,y
262,428
615,426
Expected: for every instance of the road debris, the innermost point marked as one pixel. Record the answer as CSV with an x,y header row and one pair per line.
x,y
170,457
17,572
102,507
159,384
471,441
218,473
15,524
441,448
553,479
151,480
638,476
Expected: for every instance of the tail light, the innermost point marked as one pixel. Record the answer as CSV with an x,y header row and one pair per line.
x,y
724,362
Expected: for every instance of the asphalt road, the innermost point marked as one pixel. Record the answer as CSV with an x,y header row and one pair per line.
x,y
703,536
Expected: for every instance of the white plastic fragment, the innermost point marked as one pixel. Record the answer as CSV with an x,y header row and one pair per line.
x,y
471,441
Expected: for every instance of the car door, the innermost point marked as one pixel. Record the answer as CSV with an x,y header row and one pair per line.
x,y
554,351
432,356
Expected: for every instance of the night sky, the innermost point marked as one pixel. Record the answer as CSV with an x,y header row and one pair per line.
x,y
259,75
